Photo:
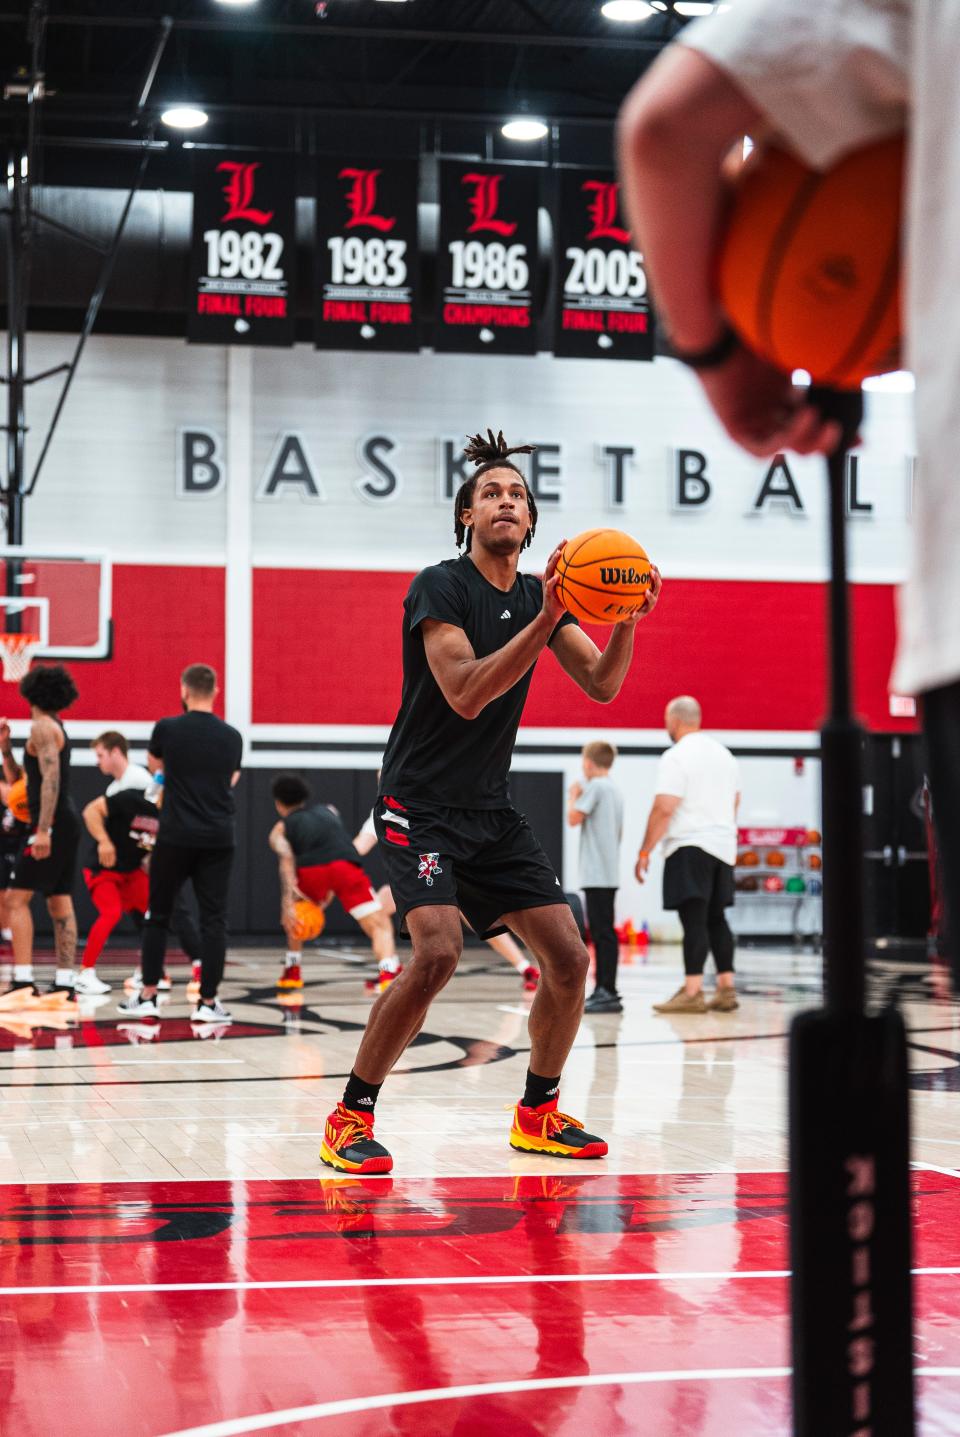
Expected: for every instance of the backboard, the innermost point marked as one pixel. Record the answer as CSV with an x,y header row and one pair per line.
x,y
64,598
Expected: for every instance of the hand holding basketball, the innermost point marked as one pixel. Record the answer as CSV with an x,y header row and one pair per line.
x,y
552,605
605,577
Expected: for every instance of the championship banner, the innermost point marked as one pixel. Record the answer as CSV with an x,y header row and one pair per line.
x,y
602,307
243,253
487,259
368,270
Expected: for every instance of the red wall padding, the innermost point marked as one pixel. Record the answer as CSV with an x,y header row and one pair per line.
x,y
327,650
164,618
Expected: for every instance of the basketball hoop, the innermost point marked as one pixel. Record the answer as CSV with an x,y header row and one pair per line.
x,y
16,654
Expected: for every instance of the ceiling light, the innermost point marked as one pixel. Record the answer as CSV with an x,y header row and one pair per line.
x,y
184,117
693,7
238,3
628,11
524,128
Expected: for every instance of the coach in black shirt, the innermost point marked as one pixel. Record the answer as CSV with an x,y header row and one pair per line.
x,y
200,757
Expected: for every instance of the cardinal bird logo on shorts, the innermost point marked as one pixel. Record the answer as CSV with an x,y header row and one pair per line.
x,y
429,866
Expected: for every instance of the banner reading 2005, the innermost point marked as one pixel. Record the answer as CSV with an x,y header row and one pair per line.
x,y
243,252
602,309
487,259
367,255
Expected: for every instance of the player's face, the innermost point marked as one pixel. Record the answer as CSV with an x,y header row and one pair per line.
x,y
104,757
499,515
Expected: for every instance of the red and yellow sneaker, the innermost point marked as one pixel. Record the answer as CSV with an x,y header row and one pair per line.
x,y
531,977
291,977
348,1143
545,1130
384,978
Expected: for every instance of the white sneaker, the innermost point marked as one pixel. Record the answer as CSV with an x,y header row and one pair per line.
x,y
87,981
133,1006
135,982
213,1012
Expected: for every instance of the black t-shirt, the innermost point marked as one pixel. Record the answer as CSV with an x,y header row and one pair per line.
x,y
200,755
433,754
132,824
317,835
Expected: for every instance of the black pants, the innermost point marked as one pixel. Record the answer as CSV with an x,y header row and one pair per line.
x,y
705,931
941,723
600,903
182,925
209,868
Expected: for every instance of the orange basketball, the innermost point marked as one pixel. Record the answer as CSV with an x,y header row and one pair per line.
x,y
809,266
17,801
775,858
815,861
310,919
604,576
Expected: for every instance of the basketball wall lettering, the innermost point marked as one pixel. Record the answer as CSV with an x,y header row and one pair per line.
x,y
368,259
200,469
242,254
383,481
616,458
779,488
691,488
487,258
289,472
602,308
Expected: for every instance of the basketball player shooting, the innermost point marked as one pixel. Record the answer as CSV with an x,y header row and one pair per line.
x,y
473,630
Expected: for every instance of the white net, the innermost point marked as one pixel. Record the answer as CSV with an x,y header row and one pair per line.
x,y
16,654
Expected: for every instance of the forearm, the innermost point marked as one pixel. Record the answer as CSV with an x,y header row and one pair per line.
x,y
49,791
657,825
675,130
11,769
288,879
474,683
95,825
607,678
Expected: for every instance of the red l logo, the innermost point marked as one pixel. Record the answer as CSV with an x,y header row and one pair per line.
x,y
362,200
602,210
238,192
483,204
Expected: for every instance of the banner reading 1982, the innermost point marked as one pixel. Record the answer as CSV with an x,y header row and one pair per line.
x,y
602,307
487,258
242,258
368,269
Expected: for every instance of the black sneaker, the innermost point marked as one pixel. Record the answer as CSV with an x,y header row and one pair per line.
x,y
67,989
601,1000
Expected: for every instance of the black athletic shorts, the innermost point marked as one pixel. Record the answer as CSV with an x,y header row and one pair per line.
x,y
693,873
485,861
55,875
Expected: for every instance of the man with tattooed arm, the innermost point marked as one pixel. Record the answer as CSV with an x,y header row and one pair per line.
x,y
48,861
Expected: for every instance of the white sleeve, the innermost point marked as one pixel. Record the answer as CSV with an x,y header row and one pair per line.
x,y
368,826
671,778
829,75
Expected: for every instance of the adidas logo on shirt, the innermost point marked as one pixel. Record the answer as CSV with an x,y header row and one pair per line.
x,y
505,614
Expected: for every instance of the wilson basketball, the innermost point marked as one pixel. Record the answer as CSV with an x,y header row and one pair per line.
x,y
809,266
17,801
604,576
310,919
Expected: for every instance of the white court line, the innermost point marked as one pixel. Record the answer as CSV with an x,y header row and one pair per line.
x,y
234,1426
147,1063
932,1167
343,1284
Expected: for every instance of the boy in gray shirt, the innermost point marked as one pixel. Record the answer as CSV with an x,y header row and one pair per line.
x,y
596,808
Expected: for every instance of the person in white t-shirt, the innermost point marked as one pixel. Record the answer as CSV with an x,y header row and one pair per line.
x,y
695,813
112,753
826,78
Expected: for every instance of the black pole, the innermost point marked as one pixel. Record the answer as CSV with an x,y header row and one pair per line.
x,y
850,1245
16,353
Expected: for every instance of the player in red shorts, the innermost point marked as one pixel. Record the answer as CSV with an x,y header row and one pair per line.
x,y
124,827
317,861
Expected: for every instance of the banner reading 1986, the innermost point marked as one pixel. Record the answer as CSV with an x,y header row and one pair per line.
x,y
487,259
602,307
242,258
367,255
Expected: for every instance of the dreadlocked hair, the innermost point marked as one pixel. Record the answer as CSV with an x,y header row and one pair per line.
x,y
489,453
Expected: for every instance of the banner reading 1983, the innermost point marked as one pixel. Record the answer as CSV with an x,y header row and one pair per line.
x,y
602,308
242,258
487,258
368,269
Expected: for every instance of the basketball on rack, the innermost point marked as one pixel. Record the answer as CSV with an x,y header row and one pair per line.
x,y
809,266
604,576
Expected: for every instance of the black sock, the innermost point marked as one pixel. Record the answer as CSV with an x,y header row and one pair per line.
x,y
359,1096
539,1090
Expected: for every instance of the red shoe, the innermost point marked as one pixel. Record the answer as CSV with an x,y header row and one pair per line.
x,y
545,1130
531,977
290,977
384,978
348,1143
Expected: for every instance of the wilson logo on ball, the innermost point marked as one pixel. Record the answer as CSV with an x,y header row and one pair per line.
x,y
622,576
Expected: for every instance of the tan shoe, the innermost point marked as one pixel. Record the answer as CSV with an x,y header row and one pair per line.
x,y
724,1000
682,1002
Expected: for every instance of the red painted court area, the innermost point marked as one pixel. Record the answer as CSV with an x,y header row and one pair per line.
x,y
575,1304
